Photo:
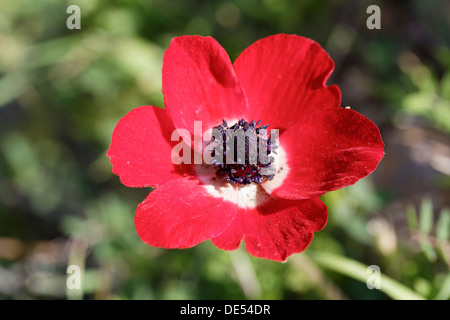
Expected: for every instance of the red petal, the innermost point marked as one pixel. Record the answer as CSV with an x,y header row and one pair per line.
x,y
276,229
139,151
199,83
284,79
181,214
331,150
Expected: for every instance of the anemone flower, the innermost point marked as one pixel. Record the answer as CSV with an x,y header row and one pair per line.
x,y
279,81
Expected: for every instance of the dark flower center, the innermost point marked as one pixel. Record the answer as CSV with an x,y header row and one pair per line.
x,y
242,152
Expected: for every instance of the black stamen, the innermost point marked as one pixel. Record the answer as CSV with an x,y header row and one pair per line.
x,y
247,172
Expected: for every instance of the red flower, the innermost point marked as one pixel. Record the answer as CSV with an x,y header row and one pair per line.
x,y
280,80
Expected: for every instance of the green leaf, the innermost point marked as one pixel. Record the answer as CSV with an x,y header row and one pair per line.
x,y
12,86
426,216
443,226
445,86
411,216
444,293
358,271
51,52
428,249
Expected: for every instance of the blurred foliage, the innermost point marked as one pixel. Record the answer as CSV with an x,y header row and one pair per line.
x,y
63,91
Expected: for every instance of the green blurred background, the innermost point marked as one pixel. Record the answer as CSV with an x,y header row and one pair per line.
x,y
63,91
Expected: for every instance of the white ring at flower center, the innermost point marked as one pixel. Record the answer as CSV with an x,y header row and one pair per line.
x,y
244,196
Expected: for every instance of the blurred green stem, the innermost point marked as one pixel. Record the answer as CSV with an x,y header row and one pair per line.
x,y
358,271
